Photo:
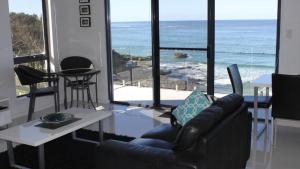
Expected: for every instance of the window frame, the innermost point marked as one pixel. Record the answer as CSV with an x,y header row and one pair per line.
x,y
38,56
156,48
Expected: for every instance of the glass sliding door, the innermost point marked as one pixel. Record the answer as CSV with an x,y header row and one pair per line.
x,y
183,48
247,37
161,50
131,51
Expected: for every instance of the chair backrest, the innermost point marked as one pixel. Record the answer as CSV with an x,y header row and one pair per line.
x,y
75,62
285,98
28,75
235,79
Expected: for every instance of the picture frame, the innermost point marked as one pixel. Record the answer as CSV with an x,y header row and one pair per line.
x,y
84,9
84,1
85,21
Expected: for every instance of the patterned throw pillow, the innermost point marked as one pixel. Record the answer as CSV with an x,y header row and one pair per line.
x,y
192,106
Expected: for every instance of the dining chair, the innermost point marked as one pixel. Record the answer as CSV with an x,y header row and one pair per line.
x,y
264,102
237,87
32,77
78,62
285,92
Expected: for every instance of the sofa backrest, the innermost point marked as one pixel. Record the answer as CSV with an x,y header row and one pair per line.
x,y
206,121
285,98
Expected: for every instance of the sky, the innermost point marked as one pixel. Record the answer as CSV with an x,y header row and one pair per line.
x,y
26,6
139,10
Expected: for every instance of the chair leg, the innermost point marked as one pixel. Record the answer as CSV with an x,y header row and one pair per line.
x,y
77,96
58,101
72,91
274,131
31,107
88,99
82,92
55,102
57,95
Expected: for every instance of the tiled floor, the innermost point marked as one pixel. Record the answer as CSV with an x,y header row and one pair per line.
x,y
134,121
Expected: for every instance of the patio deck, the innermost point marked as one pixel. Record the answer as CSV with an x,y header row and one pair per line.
x,y
144,95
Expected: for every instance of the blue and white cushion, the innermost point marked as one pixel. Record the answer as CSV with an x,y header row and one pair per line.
x,y
192,106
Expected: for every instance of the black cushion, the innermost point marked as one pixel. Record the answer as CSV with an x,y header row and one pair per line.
x,y
28,75
263,101
165,132
153,143
75,62
206,121
286,92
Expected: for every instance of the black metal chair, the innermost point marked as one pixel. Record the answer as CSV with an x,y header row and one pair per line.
x,y
237,86
32,77
78,62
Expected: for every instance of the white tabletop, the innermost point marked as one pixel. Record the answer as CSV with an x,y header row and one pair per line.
x,y
264,80
29,134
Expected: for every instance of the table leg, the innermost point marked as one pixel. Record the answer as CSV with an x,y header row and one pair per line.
x,y
100,131
11,155
267,111
255,112
41,157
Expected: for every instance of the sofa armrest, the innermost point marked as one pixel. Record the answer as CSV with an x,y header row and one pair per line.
x,y
237,141
120,155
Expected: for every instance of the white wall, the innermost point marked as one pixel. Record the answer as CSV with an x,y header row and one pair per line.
x,y
7,82
289,58
69,39
19,106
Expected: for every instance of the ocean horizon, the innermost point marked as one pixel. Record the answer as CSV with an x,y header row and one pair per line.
x,y
249,43
201,20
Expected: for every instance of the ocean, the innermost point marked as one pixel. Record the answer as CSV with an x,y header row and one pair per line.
x,y
249,43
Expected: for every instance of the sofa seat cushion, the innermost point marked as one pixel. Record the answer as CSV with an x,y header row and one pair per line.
x,y
191,107
165,132
204,122
153,143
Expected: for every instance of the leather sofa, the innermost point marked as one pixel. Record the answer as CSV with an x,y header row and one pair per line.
x,y
218,138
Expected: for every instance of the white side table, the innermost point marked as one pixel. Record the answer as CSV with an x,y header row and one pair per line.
x,y
263,81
